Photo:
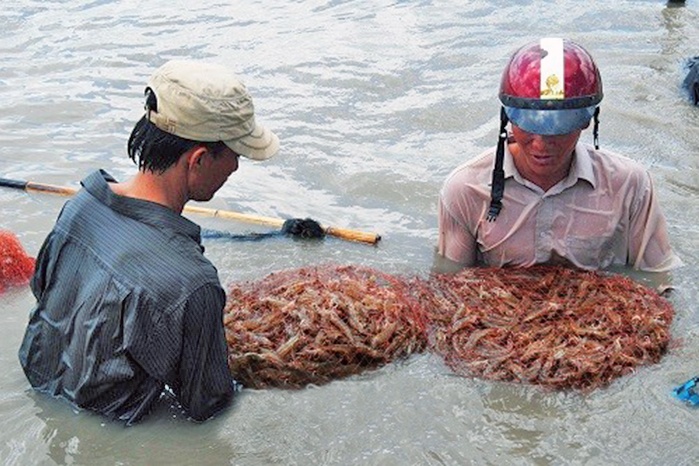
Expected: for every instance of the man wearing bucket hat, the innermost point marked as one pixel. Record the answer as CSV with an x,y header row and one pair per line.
x,y
542,196
127,304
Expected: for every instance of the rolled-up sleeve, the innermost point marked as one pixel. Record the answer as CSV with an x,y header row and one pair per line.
x,y
649,242
204,383
455,242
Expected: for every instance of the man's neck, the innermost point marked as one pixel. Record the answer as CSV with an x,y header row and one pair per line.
x,y
165,189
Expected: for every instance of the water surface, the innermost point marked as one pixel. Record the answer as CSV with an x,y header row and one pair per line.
x,y
375,102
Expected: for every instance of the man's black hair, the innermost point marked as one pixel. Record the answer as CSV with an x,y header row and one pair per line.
x,y
155,150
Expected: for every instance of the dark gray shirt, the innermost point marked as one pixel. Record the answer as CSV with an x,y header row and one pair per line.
x,y
126,304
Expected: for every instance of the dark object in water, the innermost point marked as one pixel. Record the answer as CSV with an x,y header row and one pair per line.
x,y
691,81
303,228
216,234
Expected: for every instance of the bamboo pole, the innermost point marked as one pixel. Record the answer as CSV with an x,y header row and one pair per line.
x,y
342,233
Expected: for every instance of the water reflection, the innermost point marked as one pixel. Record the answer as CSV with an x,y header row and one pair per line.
x,y
674,21
80,437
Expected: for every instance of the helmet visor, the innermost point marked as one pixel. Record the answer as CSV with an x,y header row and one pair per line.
x,y
550,122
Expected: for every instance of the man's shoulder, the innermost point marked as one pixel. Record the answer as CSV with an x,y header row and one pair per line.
x,y
612,159
133,253
617,170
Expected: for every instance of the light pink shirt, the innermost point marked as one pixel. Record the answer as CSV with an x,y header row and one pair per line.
x,y
604,213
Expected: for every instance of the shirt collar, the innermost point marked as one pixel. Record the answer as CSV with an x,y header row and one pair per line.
x,y
144,211
582,165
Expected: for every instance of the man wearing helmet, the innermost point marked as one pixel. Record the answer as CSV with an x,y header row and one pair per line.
x,y
549,198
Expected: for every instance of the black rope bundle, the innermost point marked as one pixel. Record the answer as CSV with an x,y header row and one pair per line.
x,y
306,228
303,228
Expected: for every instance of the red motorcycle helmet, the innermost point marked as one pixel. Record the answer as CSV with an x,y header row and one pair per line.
x,y
551,86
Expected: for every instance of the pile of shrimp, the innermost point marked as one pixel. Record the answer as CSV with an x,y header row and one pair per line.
x,y
16,267
319,323
556,327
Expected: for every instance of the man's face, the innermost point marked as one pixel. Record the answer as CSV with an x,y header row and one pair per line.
x,y
214,172
544,160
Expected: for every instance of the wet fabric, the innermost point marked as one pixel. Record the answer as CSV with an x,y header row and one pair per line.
x,y
126,304
605,212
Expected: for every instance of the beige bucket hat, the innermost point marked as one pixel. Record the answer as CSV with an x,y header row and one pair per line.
x,y
207,102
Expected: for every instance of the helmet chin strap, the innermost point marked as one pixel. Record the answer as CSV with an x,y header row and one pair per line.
x,y
497,188
595,129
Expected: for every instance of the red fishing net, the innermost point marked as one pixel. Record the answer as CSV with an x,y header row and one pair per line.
x,y
315,324
555,327
16,268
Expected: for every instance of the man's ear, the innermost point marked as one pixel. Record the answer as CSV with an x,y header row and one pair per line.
x,y
195,156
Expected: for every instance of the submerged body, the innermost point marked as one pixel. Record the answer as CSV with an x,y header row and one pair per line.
x,y
117,319
602,213
542,197
126,302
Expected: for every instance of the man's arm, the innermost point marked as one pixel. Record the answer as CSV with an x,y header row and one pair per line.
x,y
649,243
204,384
455,241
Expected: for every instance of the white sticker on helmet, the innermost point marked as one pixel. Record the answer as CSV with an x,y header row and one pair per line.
x,y
552,71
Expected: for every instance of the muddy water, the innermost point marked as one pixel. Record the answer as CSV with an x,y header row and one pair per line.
x,y
375,102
